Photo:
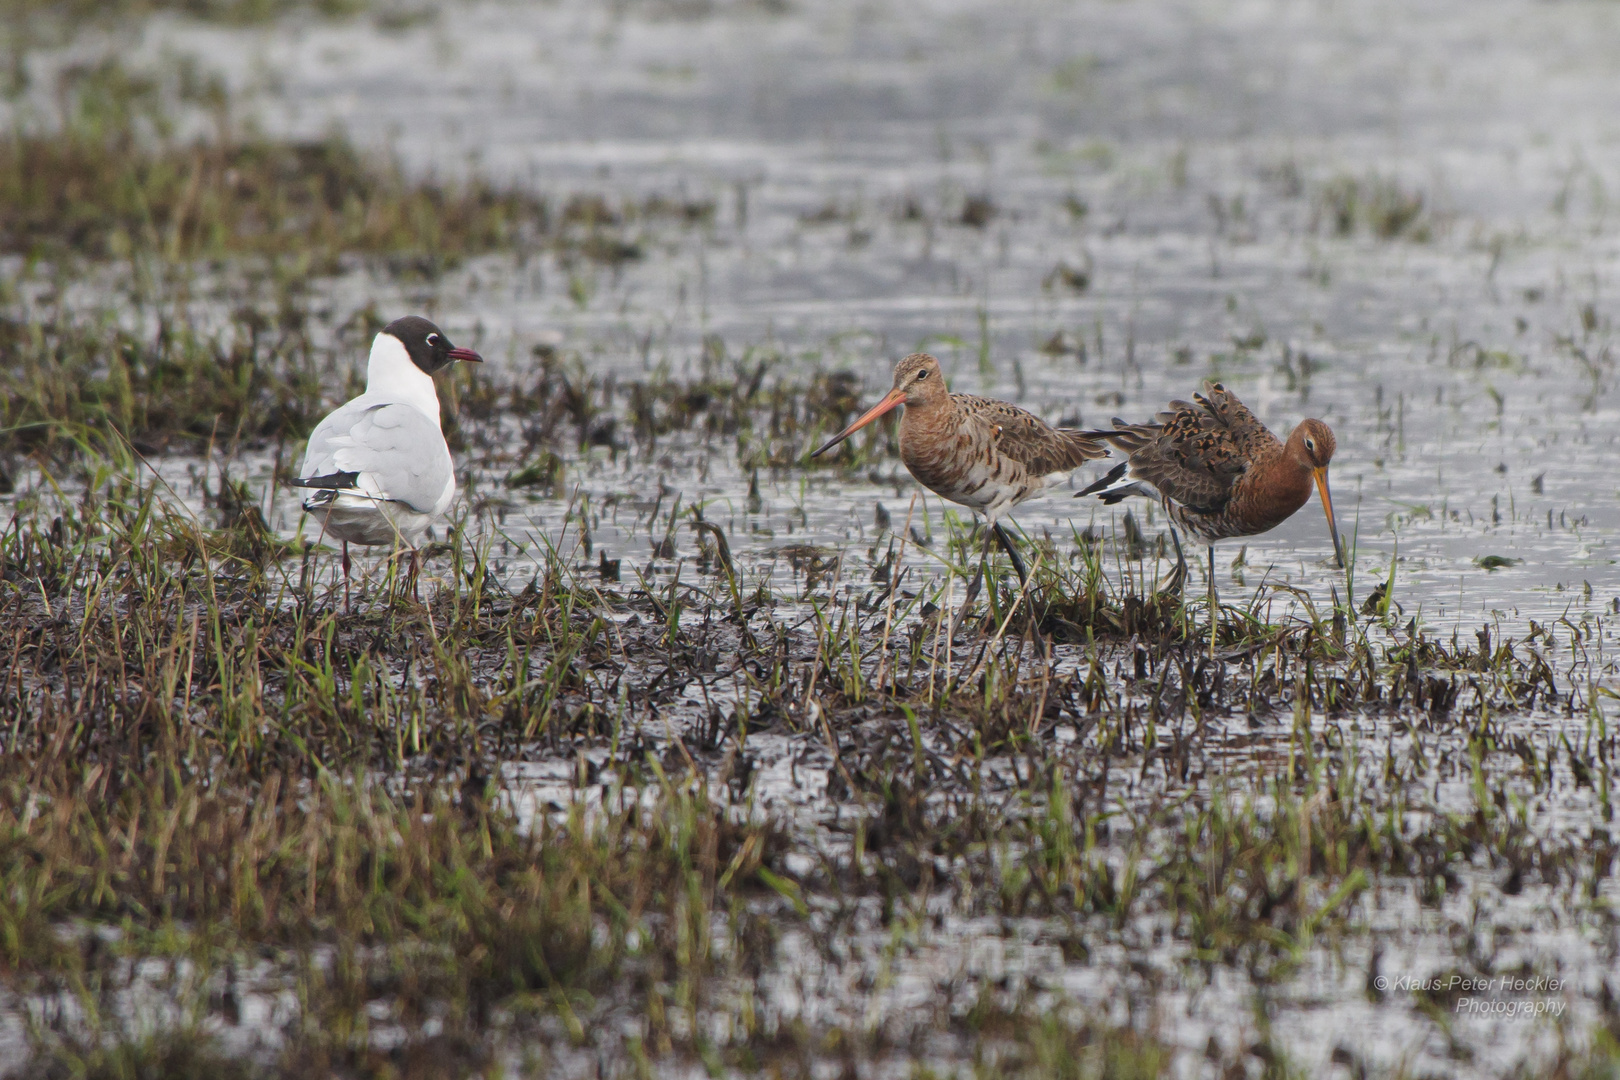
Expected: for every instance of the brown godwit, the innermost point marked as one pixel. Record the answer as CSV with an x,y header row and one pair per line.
x,y
1218,471
984,454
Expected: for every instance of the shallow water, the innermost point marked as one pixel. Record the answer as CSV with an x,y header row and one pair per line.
x,y
1471,397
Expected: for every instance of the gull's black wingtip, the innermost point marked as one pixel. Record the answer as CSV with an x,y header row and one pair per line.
x,y
337,481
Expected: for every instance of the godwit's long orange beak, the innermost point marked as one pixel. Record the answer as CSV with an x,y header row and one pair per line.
x,y
894,399
1327,505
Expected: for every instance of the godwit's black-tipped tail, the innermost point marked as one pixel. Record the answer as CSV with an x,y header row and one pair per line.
x,y
1109,479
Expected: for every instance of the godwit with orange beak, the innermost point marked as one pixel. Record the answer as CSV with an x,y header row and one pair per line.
x,y
984,454
1218,471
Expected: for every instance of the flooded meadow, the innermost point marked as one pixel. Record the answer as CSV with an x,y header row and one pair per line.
x,y
669,762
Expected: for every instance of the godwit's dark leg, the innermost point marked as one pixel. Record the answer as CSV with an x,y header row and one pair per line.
x,y
348,606
973,587
1012,552
1181,557
1023,580
1178,576
1214,603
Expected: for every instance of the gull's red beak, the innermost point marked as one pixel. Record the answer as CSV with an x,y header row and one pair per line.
x,y
466,355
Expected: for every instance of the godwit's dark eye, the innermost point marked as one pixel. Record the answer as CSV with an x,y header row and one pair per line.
x,y
1310,444
923,374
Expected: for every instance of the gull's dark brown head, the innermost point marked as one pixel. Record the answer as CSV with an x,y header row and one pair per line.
x,y
426,344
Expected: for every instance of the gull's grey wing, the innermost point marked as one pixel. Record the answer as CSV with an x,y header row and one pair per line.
x,y
398,453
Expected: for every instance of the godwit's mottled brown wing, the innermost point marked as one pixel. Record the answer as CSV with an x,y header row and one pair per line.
x,y
1195,453
1027,439
1253,440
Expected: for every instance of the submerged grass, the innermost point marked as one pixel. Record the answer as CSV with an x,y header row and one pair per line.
x,y
28,25
265,375
436,905
110,192
219,770
289,804
76,13
243,832
210,775
1378,206
260,379
112,175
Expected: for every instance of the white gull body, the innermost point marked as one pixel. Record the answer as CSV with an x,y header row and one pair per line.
x,y
391,438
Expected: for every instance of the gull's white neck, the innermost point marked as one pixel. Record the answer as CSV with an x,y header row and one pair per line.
x,y
393,377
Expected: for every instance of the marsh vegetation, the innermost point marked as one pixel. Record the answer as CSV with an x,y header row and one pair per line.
x,y
668,764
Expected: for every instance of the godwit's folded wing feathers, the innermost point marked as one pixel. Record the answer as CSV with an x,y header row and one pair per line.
x,y
397,453
1193,453
1027,439
1252,439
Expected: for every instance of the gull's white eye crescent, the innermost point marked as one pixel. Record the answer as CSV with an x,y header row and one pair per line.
x,y
433,339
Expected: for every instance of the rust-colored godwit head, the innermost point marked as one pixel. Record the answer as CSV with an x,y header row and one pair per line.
x,y
1311,447
918,384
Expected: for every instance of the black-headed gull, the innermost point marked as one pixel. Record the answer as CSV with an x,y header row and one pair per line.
x,y
379,464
